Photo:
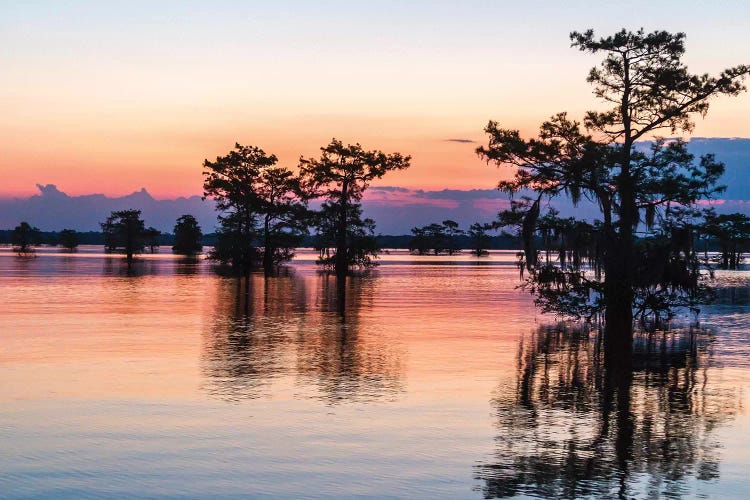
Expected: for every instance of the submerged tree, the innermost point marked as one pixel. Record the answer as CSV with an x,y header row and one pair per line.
x,y
151,238
452,233
420,242
436,238
69,239
261,208
731,232
479,239
124,231
362,246
284,216
24,238
187,236
340,176
650,90
431,238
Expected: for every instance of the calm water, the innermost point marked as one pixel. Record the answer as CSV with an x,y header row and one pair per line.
x,y
440,380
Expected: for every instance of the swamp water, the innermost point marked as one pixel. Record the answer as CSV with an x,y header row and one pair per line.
x,y
439,380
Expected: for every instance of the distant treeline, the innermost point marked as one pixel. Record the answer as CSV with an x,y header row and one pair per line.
x,y
167,240
384,241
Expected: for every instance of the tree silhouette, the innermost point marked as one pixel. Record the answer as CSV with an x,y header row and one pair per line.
x,y
340,176
437,238
124,231
420,243
362,246
284,216
69,239
731,232
187,236
452,233
479,239
259,204
24,238
650,90
151,238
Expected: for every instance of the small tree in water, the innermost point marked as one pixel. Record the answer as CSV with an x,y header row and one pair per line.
x,y
124,231
24,238
650,90
731,232
69,239
362,246
187,236
479,239
151,238
340,176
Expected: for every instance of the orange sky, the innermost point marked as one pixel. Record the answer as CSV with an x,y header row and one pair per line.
x,y
109,99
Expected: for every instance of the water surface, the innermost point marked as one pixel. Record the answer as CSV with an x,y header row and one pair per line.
x,y
439,380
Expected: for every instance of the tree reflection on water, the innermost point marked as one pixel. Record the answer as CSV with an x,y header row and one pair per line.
x,y
281,330
576,425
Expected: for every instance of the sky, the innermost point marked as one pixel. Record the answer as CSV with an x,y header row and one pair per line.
x,y
109,97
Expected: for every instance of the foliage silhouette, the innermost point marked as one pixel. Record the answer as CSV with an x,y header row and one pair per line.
x,y
124,232
262,210
362,246
649,90
436,238
68,239
731,232
187,236
151,238
479,239
24,239
340,176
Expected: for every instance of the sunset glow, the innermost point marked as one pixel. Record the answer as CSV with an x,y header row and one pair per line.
x,y
109,99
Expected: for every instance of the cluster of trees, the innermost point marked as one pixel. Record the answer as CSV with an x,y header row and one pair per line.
x,y
732,234
568,242
448,238
640,247
436,238
124,231
264,208
25,237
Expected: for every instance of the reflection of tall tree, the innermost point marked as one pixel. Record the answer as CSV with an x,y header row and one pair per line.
x,y
119,267
256,320
187,266
268,329
347,363
575,425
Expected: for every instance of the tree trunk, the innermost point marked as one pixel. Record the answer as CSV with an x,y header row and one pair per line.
x,y
267,250
620,260
342,262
